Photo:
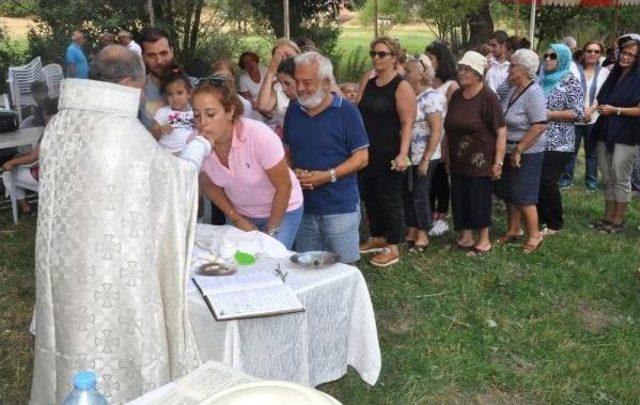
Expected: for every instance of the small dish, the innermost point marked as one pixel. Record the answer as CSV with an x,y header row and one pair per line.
x,y
315,259
217,269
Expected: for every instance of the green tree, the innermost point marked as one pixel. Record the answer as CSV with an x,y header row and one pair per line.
x,y
462,23
391,8
185,20
315,19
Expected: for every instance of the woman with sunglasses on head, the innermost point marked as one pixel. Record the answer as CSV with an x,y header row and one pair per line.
x,y
425,151
473,149
444,83
246,174
592,77
616,132
388,108
565,107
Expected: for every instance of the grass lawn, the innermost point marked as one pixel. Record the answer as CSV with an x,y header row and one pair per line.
x,y
558,326
414,38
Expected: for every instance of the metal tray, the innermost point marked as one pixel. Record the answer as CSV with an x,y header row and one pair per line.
x,y
315,259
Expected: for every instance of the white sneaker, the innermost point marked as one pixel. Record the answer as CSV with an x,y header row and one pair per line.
x,y
439,227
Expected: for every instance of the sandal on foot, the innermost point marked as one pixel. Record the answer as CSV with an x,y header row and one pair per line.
x,y
529,248
475,252
506,238
462,247
418,248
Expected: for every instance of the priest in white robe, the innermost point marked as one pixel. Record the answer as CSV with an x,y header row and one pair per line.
x,y
115,228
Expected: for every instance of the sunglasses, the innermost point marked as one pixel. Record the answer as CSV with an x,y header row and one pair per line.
x,y
551,56
593,51
379,54
214,80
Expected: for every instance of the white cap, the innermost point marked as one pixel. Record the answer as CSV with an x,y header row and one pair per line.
x,y
475,61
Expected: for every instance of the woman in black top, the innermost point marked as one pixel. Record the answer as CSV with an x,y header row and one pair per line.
x,y
616,132
388,107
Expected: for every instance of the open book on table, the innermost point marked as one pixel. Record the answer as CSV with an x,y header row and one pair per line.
x,y
248,295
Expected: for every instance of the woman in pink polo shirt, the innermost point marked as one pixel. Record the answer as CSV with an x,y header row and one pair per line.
x,y
247,175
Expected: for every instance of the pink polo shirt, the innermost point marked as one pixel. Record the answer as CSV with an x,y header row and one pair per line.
x,y
255,148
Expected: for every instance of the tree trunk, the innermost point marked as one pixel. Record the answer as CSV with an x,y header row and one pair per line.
x,y
193,40
480,25
188,15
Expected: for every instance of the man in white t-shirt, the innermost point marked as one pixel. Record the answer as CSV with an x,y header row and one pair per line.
x,y
124,39
498,65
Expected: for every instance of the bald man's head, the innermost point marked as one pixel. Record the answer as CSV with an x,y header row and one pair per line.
x,y
117,64
78,38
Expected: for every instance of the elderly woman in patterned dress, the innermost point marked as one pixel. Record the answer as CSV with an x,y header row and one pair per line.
x,y
565,107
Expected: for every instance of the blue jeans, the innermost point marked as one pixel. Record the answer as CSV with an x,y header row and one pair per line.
x,y
288,226
591,161
337,233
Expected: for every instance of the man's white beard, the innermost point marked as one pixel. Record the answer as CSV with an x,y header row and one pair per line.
x,y
313,100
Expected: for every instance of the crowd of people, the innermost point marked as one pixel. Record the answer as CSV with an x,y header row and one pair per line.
x,y
284,149
296,154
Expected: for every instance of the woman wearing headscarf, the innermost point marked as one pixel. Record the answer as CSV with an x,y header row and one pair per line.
x,y
475,138
525,112
565,106
617,133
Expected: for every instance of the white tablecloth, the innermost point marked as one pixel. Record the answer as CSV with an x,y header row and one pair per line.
x,y
337,329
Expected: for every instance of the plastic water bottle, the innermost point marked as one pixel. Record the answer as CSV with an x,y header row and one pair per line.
x,y
84,391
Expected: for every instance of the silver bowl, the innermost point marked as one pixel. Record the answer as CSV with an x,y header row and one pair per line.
x,y
315,259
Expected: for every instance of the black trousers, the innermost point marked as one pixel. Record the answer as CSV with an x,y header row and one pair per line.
x,y
440,191
382,196
417,190
471,202
549,199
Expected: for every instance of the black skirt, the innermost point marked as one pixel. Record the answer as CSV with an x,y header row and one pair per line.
x,y
471,201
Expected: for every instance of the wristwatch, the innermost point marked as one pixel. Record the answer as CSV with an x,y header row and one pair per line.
x,y
332,174
619,111
273,231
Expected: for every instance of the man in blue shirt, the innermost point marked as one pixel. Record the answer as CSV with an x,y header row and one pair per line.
x,y
75,59
328,145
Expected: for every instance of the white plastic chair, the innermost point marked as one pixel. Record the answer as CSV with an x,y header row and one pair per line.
x,y
28,122
53,75
20,79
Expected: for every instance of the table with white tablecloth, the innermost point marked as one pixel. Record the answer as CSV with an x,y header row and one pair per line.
x,y
336,330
